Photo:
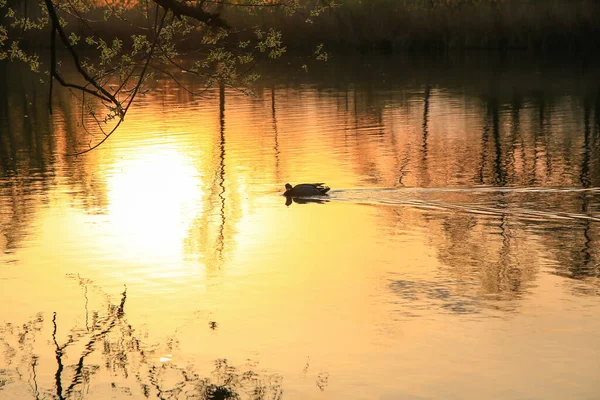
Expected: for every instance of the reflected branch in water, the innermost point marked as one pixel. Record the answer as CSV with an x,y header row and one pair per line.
x,y
59,355
499,172
402,166
424,170
586,264
514,138
275,135
221,179
211,236
425,124
80,374
586,179
519,136
124,357
509,273
584,176
583,269
545,130
484,149
115,314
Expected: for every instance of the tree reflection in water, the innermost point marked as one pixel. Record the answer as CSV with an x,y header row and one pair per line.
x,y
109,345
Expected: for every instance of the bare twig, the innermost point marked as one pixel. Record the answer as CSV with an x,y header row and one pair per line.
x,y
131,97
103,93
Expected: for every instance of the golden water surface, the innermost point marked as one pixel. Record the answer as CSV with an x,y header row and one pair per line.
x,y
456,256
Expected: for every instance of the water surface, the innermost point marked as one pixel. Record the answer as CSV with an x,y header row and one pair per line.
x,y
456,256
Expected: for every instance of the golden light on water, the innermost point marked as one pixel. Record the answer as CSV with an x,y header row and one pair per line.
x,y
152,197
186,226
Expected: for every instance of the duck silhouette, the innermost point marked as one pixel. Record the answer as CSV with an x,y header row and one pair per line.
x,y
305,189
299,193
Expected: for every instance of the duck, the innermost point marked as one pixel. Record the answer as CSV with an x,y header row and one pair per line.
x,y
306,189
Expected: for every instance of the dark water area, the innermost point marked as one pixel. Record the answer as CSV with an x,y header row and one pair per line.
x,y
456,256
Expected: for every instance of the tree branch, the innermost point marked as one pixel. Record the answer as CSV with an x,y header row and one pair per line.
x,y
135,90
103,93
182,9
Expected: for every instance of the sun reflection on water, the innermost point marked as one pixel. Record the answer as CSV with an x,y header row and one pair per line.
x,y
152,199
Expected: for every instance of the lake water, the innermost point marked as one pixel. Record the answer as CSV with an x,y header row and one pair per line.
x,y
456,257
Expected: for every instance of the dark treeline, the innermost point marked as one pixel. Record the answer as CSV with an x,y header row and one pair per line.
x,y
388,25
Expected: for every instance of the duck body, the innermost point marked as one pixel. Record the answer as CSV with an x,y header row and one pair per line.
x,y
306,189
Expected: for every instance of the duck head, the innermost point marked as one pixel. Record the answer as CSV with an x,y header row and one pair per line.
x,y
288,187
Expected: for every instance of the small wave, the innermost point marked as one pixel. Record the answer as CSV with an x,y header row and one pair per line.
x,y
400,197
484,189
